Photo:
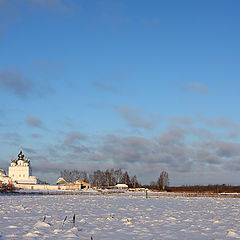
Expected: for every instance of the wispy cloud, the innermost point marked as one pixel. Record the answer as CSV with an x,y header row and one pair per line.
x,y
226,149
22,86
135,118
12,137
196,87
104,86
29,150
108,82
174,135
35,135
182,120
220,122
16,83
34,121
74,137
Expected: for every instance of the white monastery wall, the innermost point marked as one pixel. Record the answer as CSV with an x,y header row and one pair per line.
x,y
47,187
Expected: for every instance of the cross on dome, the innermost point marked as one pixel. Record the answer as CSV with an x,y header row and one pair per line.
x,y
20,155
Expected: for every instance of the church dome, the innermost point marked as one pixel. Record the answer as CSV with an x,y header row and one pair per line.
x,y
20,156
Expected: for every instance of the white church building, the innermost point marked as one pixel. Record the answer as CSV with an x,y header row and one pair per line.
x,y
20,171
20,175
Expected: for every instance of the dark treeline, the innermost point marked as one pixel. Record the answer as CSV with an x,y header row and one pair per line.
x,y
198,188
107,178
209,188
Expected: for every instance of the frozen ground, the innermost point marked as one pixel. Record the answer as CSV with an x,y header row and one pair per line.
x,y
118,217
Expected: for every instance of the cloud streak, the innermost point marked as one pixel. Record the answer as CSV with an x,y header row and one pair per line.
x,y
134,118
73,138
34,121
16,83
197,87
104,86
22,86
220,123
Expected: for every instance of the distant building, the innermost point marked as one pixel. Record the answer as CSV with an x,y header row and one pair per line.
x,y
20,171
83,184
3,177
121,186
77,185
20,176
61,181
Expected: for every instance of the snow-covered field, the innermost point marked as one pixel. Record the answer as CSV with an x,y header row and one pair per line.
x,y
118,217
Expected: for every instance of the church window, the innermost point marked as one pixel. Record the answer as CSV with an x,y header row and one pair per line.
x,y
19,175
23,175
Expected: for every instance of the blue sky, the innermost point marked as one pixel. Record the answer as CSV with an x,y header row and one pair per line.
x,y
142,85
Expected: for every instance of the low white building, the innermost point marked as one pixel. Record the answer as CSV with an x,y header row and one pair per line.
x,y
3,177
20,171
121,186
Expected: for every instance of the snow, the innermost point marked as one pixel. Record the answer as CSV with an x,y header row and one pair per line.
x,y
118,217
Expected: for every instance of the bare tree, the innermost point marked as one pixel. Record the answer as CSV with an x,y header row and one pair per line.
x,y
73,175
118,175
107,176
134,183
112,178
84,177
163,180
125,178
91,179
97,181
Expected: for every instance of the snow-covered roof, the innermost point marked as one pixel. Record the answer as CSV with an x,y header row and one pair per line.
x,y
121,185
82,182
2,173
61,181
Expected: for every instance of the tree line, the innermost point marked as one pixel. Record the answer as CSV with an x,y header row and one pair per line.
x,y
206,188
107,178
111,177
